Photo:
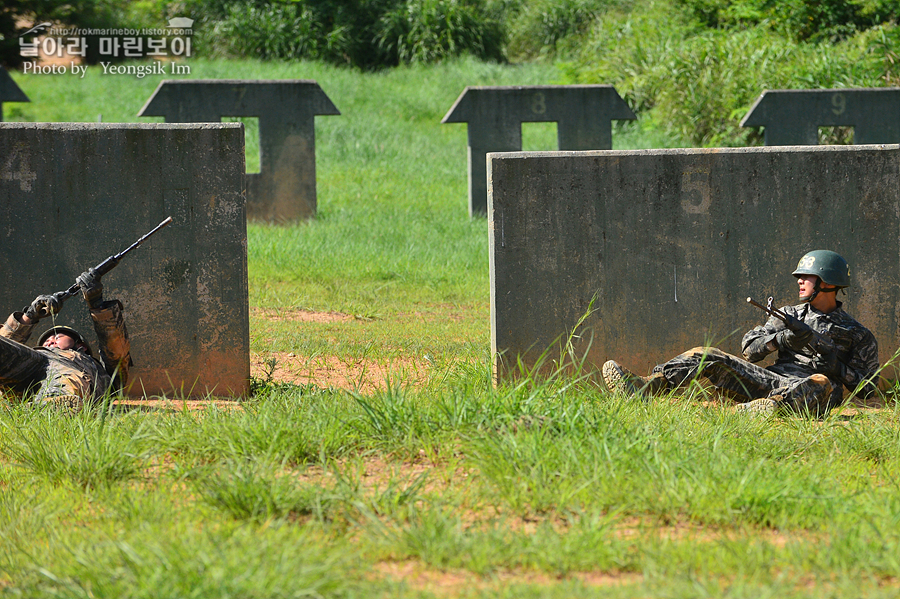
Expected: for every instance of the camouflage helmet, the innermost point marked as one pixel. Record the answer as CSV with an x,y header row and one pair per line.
x,y
65,331
829,266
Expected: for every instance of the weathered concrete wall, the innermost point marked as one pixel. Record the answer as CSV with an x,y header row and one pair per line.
x,y
793,116
672,242
583,113
73,194
285,188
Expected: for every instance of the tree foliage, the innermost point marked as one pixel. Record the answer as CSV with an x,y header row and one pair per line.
x,y
18,16
801,20
692,68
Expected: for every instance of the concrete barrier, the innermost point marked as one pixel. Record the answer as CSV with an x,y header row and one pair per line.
x,y
73,194
668,244
583,114
9,91
285,187
792,117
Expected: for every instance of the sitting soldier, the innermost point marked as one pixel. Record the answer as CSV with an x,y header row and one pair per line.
x,y
802,379
62,369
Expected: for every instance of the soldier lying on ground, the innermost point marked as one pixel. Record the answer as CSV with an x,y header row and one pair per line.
x,y
801,379
62,370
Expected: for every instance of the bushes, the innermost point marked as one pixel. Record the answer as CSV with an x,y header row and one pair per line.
x,y
432,30
378,33
545,28
800,20
691,68
361,33
697,83
289,31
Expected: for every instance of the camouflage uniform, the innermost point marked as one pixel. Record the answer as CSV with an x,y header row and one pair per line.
x,y
66,373
792,379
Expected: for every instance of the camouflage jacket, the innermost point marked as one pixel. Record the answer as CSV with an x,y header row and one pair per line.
x,y
856,347
72,372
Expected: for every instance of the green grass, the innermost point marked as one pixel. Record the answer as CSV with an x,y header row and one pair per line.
x,y
539,486
83,449
439,485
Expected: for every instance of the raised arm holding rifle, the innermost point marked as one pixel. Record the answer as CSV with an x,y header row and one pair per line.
x,y
820,350
62,371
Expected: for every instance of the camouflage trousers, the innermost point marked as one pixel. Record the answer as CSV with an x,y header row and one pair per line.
x,y
21,368
744,381
44,374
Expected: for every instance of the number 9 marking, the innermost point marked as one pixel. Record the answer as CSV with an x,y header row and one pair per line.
x,y
839,103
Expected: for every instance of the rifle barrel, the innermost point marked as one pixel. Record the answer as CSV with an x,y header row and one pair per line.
x,y
73,290
137,243
770,311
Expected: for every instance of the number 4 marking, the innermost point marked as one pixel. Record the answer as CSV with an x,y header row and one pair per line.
x,y
24,175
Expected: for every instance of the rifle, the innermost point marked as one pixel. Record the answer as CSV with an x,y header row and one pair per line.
x,y
113,261
821,344
101,269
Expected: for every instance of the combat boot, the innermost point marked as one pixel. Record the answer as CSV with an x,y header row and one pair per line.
x,y
69,404
765,406
619,378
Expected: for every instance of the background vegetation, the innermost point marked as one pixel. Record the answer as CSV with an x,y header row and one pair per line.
x,y
692,68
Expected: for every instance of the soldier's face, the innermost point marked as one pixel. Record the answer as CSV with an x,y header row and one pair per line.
x,y
60,341
807,284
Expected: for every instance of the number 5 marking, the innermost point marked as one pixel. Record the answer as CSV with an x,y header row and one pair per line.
x,y
695,182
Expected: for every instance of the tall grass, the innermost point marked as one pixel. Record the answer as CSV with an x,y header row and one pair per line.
x,y
284,428
86,449
543,477
187,554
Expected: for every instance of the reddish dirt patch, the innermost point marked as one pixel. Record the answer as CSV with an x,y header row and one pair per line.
x,y
301,315
175,405
354,374
420,577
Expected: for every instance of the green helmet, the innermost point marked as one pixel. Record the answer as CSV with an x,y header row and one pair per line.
x,y
829,266
66,331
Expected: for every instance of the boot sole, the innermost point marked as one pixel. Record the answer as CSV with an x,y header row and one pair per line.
x,y
617,378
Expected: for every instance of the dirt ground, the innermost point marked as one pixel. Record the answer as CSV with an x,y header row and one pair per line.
x,y
351,374
354,374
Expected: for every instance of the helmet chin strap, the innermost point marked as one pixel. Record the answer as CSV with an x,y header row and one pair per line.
x,y
817,289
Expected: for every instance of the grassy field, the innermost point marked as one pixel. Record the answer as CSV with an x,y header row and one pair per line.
x,y
429,481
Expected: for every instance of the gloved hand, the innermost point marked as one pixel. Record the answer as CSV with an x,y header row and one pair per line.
x,y
795,336
91,288
43,306
829,365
